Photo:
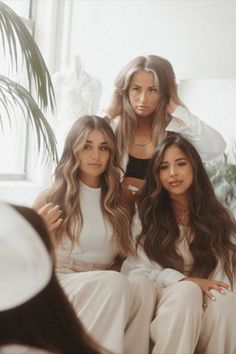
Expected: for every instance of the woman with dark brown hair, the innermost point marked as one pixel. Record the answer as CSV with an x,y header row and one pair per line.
x,y
186,241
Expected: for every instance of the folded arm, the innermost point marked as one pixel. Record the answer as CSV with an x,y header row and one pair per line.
x,y
142,265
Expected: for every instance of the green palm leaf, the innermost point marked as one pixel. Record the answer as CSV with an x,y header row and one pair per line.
x,y
13,32
13,94
17,39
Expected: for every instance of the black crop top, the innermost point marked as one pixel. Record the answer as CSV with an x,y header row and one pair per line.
x,y
136,167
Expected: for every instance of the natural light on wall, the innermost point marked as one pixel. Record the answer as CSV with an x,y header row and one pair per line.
x,y
214,101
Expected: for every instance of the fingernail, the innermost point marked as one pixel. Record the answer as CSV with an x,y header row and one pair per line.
x,y
229,288
222,291
213,298
204,305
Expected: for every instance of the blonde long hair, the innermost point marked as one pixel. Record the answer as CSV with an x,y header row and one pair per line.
x,y
65,190
165,82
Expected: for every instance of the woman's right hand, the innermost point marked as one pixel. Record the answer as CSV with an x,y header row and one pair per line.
x,y
51,215
115,106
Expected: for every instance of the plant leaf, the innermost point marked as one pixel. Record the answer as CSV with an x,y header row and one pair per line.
x,y
13,92
13,32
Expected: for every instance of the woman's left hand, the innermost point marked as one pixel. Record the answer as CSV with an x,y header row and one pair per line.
x,y
115,106
207,284
172,105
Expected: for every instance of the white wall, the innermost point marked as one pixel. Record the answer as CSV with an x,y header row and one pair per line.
x,y
214,100
198,37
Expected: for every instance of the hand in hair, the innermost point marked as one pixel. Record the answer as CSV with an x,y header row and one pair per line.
x,y
172,105
51,215
115,106
207,284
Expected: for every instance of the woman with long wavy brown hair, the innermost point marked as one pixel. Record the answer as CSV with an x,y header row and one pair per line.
x,y
92,229
186,242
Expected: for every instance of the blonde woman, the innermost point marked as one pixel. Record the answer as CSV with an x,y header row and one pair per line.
x,y
146,107
95,229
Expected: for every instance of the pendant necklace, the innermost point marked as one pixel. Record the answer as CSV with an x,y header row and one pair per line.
x,y
182,215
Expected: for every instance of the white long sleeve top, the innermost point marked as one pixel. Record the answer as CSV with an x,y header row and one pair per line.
x,y
94,243
208,142
163,277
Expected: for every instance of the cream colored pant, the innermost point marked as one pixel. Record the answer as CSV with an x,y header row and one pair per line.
x,y
114,309
181,325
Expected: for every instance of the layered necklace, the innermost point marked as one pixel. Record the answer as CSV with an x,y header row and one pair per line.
x,y
182,215
145,143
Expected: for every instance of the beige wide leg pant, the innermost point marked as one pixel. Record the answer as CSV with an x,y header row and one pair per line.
x,y
181,326
115,310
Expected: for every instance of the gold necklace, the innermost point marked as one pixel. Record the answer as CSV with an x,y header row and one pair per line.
x,y
144,144
182,215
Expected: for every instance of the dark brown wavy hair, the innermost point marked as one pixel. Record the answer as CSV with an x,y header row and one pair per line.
x,y
212,225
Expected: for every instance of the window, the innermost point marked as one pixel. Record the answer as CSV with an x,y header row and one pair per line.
x,y
14,136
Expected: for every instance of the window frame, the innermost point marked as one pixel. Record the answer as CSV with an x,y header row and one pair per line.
x,y
16,176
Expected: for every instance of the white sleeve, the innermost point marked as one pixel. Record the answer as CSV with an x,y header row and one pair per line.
x,y
142,265
209,142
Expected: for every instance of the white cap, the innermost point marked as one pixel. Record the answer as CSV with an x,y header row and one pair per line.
x,y
25,264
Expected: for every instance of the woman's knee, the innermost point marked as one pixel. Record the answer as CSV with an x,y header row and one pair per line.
x,y
224,304
183,294
142,284
116,283
189,289
143,288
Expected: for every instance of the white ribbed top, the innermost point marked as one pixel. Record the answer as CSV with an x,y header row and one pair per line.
x,y
94,242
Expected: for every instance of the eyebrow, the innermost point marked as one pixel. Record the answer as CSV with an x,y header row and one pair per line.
x,y
91,142
153,86
179,159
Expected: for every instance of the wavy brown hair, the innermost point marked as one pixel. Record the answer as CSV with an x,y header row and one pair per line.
x,y
165,83
212,225
65,189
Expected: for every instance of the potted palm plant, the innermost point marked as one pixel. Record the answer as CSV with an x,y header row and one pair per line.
x,y
19,45
222,173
